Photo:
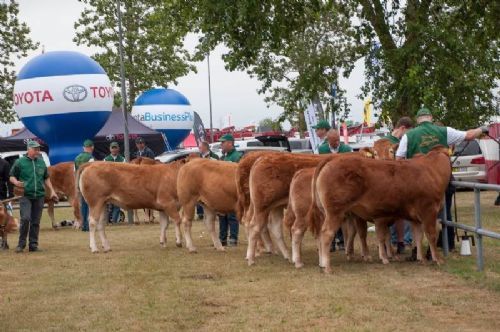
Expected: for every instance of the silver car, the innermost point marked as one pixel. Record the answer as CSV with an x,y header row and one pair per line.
x,y
468,162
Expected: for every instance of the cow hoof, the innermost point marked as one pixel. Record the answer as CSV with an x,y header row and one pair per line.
x,y
251,262
178,244
162,244
95,251
327,270
439,261
299,265
348,258
385,261
367,258
221,249
192,250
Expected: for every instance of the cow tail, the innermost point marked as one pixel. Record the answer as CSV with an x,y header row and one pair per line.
x,y
240,192
314,215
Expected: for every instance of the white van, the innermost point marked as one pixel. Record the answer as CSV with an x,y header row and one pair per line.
x,y
12,156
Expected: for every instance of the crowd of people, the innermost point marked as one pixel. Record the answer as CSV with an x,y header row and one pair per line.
x,y
29,174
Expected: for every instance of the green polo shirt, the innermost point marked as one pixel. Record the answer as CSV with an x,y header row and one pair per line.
x,y
118,159
424,137
33,173
83,158
392,139
324,148
232,156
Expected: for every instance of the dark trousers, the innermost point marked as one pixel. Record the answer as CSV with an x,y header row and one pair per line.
x,y
84,210
450,230
228,221
31,213
199,210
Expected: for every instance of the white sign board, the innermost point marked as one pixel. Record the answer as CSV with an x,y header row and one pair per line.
x,y
311,120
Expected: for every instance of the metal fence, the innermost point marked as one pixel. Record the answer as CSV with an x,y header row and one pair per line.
x,y
477,229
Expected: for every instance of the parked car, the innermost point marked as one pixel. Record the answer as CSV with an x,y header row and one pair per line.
x,y
300,145
468,162
12,156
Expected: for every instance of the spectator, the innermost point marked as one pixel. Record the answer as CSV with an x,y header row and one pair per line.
x,y
30,173
114,157
332,144
229,220
5,188
321,129
142,149
205,151
427,136
400,230
84,157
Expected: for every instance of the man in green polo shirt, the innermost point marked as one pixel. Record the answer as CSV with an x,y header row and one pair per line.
x,y
84,157
321,129
402,126
229,221
30,173
114,157
332,144
426,136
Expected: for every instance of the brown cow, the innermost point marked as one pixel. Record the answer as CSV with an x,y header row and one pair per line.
x,y
296,220
270,179
62,176
372,189
211,183
145,161
8,224
102,183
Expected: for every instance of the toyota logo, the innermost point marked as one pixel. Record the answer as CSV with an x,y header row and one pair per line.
x,y
75,93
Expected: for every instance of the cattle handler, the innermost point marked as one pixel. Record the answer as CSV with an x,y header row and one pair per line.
x,y
84,157
332,144
229,220
427,135
30,174
115,157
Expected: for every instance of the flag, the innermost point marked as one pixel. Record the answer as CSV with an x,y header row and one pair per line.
x,y
367,111
198,129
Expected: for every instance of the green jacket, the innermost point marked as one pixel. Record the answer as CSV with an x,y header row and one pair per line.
x,y
392,139
119,158
232,156
33,173
423,138
83,158
324,148
211,155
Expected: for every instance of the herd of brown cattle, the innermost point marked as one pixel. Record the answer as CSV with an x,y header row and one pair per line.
x,y
269,191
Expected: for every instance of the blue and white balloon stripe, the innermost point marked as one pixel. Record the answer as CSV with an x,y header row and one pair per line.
x,y
166,111
63,98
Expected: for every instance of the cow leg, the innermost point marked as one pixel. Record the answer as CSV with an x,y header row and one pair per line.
x,y
75,203
380,231
163,229
276,218
361,227
330,227
187,221
258,222
298,230
431,234
349,231
102,234
268,243
209,219
50,211
92,229
417,233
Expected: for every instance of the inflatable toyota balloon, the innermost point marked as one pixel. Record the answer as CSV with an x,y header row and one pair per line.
x,y
63,98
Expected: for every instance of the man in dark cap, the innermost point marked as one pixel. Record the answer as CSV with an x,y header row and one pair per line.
x,y
84,157
142,149
30,173
229,220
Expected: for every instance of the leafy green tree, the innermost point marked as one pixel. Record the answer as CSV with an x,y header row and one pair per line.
x,y
154,53
268,124
442,53
14,43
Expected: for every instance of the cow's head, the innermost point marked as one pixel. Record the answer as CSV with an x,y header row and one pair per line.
x,y
384,149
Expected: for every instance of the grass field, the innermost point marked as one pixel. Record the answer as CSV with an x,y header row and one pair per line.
x,y
141,287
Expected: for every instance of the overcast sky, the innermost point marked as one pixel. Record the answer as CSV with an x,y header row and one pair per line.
x,y
51,23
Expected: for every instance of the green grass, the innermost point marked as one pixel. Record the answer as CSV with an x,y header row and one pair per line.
x,y
141,287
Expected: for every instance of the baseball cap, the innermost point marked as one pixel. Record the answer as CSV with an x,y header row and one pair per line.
x,y
88,143
322,124
423,111
227,137
33,144
114,145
